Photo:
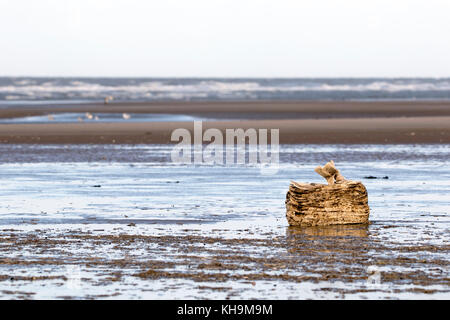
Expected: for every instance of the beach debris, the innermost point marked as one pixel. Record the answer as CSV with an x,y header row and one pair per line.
x,y
96,118
50,117
373,177
126,116
341,201
80,119
330,173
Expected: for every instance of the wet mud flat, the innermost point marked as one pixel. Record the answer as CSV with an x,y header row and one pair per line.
x,y
329,262
71,227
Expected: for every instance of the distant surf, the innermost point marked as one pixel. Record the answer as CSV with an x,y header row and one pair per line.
x,y
26,90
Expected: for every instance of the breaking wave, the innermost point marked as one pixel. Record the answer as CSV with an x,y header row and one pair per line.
x,y
93,89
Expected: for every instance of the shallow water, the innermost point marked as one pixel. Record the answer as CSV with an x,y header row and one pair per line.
x,y
73,117
118,221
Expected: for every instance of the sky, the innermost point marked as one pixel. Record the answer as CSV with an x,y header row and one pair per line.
x,y
225,38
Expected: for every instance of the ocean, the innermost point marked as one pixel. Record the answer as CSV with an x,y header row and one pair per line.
x,y
15,91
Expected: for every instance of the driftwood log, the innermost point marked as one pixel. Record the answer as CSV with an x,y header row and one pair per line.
x,y
341,201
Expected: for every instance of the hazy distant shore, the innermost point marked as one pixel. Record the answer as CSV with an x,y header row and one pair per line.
x,y
299,122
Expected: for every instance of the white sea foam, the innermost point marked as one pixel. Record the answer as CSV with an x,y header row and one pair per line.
x,y
185,89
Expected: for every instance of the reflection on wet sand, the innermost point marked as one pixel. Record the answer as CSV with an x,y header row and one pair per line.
x,y
331,248
352,230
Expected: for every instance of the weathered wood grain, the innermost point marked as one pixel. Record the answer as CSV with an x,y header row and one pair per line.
x,y
340,202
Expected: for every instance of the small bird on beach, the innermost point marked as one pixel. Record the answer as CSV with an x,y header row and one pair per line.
x,y
80,119
96,118
50,117
108,99
89,115
126,116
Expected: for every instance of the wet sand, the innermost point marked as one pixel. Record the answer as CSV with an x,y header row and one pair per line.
x,y
110,221
121,221
252,109
336,262
299,122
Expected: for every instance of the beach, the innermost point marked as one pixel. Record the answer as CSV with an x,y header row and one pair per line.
x,y
124,222
298,122
96,208
240,151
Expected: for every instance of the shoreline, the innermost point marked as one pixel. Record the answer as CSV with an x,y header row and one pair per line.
x,y
303,131
249,110
298,122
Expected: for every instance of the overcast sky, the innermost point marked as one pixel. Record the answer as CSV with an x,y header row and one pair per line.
x,y
225,38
